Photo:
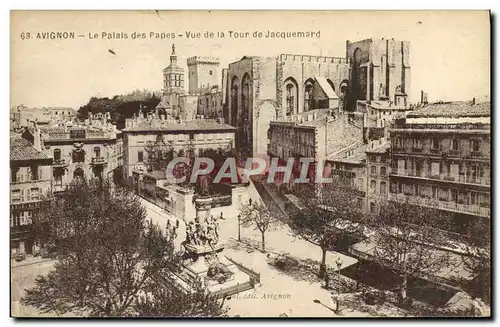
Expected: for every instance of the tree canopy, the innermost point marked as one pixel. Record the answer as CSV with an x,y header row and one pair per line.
x,y
121,106
107,253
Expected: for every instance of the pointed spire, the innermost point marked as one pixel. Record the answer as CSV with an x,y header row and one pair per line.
x,y
173,49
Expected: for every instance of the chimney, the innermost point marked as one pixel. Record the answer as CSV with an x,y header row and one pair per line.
x,y
37,137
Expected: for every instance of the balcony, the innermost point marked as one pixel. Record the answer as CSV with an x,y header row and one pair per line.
x,y
435,150
59,163
476,154
99,161
417,149
460,179
442,205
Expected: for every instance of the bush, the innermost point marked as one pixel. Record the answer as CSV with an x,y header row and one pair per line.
x,y
370,298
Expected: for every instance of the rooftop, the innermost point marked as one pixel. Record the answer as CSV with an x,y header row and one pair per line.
x,y
22,149
187,125
356,158
157,174
453,109
380,149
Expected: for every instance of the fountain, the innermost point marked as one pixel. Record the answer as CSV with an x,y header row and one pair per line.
x,y
203,261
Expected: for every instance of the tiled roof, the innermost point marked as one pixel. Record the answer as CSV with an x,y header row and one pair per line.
x,y
453,109
22,149
187,125
357,158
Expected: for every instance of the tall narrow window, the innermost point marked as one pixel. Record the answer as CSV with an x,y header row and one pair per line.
x,y
290,100
57,154
97,152
383,188
308,95
140,156
474,145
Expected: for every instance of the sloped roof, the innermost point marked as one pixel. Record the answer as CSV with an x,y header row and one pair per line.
x,y
357,158
22,149
452,109
326,87
380,149
187,125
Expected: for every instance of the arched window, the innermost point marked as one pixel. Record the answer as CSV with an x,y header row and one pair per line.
x,y
57,154
383,171
234,100
78,174
97,152
291,96
373,185
308,95
245,97
344,87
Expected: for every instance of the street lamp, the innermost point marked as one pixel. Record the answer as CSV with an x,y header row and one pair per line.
x,y
339,264
239,228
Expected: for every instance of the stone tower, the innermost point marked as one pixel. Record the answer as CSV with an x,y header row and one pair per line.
x,y
173,75
380,70
203,72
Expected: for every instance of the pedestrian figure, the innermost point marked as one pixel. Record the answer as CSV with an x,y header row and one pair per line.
x,y
177,223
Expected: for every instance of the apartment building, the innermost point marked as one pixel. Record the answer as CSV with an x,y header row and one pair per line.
x,y
441,158
30,180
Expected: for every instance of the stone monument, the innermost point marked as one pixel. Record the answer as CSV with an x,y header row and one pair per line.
x,y
203,260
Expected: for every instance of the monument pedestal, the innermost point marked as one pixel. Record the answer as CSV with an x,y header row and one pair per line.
x,y
203,260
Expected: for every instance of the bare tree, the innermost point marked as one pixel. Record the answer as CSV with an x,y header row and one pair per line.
x,y
407,236
328,214
258,215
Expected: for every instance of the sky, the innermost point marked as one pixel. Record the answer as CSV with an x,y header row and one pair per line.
x,y
449,50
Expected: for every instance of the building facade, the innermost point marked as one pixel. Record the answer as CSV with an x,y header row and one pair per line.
x,y
200,133
441,158
380,70
82,151
30,181
210,103
378,170
261,89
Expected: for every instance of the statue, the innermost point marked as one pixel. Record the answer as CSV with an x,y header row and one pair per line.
x,y
203,185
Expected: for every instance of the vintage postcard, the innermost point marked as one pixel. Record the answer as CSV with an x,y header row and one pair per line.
x,y
250,164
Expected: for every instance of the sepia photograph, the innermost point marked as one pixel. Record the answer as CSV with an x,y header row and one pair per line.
x,y
244,164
